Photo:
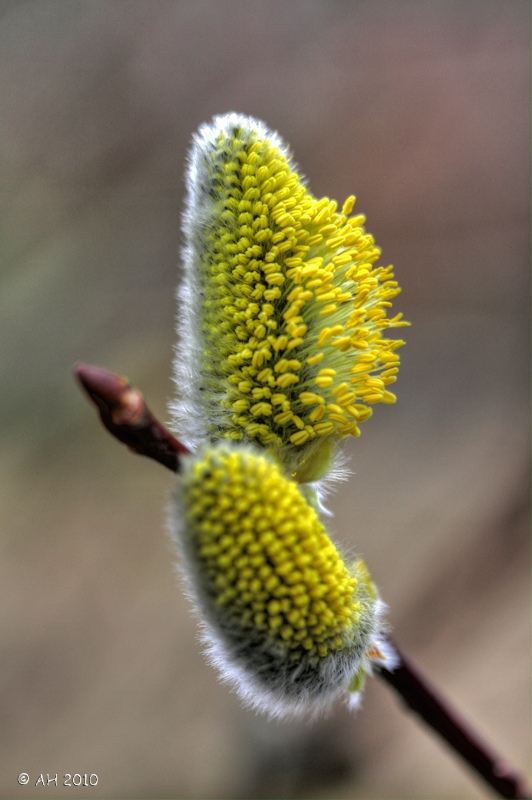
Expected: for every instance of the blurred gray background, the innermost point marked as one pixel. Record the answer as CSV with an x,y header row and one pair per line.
x,y
422,110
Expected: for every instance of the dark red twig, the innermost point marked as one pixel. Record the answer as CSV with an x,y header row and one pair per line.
x,y
420,695
125,414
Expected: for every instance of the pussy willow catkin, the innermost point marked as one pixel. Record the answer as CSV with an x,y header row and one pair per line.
x,y
281,309
287,620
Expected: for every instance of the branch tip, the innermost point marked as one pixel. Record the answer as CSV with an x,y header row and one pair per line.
x,y
126,416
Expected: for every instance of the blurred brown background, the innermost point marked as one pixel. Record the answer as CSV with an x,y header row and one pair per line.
x,y
422,110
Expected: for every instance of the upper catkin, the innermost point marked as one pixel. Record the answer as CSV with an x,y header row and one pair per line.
x,y
282,311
